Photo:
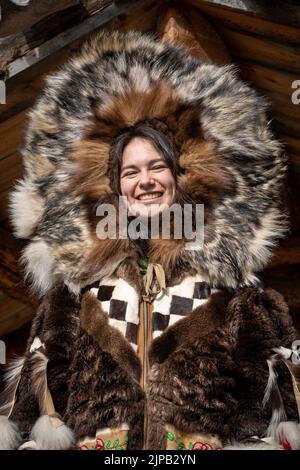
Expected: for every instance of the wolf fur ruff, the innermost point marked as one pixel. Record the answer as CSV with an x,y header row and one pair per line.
x,y
228,155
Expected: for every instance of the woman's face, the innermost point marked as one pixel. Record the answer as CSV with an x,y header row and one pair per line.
x,y
146,180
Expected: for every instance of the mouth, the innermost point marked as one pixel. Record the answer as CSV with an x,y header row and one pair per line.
x,y
150,197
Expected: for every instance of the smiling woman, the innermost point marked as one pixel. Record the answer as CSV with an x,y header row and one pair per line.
x,y
146,180
163,348
146,169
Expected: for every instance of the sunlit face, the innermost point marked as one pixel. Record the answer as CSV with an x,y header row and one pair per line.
x,y
146,180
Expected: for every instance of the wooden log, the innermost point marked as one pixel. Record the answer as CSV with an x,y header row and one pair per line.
x,y
242,21
29,54
190,30
288,252
14,314
13,287
268,78
4,198
15,20
11,134
11,169
273,11
10,250
261,50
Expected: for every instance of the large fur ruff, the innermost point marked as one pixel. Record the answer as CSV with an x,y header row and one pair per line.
x,y
230,162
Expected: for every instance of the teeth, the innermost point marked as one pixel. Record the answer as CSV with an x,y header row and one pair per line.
x,y
149,196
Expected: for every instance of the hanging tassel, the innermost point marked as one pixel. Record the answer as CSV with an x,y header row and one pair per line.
x,y
49,432
272,392
287,433
10,437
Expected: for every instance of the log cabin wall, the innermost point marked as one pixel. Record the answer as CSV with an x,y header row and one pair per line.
x,y
36,38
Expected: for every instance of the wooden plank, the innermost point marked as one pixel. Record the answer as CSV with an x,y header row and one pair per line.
x,y
274,11
11,133
23,89
4,204
15,20
13,287
11,169
13,316
10,252
268,78
287,253
244,22
262,50
47,48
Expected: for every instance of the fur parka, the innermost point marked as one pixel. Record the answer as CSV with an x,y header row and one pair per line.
x,y
208,367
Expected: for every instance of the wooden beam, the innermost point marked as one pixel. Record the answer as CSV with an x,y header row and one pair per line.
x,y
13,287
274,11
29,54
241,21
14,314
16,19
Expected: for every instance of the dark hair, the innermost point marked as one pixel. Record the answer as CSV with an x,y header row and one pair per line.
x,y
163,144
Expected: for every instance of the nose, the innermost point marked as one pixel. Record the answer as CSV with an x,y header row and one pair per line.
x,y
146,181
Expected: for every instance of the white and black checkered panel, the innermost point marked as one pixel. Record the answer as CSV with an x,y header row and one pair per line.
x,y
121,302
178,301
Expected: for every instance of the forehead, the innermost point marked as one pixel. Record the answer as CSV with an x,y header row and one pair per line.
x,y
139,151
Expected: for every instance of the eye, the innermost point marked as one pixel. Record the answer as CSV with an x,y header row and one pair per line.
x,y
129,174
160,166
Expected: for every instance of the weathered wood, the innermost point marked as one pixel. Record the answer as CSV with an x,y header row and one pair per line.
x,y
14,314
142,17
262,50
191,30
45,49
11,134
15,20
242,21
10,252
274,11
268,78
4,197
287,252
13,287
10,170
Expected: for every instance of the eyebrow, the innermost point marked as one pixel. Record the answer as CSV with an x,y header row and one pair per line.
x,y
135,167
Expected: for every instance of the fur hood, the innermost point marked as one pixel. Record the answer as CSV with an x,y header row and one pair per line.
x,y
228,155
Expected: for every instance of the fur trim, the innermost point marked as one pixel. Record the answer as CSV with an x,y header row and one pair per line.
x,y
39,379
288,434
28,445
229,158
49,437
26,209
11,378
254,445
10,438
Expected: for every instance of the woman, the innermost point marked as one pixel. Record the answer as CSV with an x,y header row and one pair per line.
x,y
137,118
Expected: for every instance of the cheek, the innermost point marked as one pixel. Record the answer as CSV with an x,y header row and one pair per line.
x,y
127,187
169,181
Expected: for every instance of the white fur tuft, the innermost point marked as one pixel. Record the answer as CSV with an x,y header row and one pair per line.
x,y
38,260
272,382
10,438
288,432
285,353
28,445
11,378
26,209
259,445
49,437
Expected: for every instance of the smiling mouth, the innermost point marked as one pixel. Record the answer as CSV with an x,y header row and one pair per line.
x,y
149,196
